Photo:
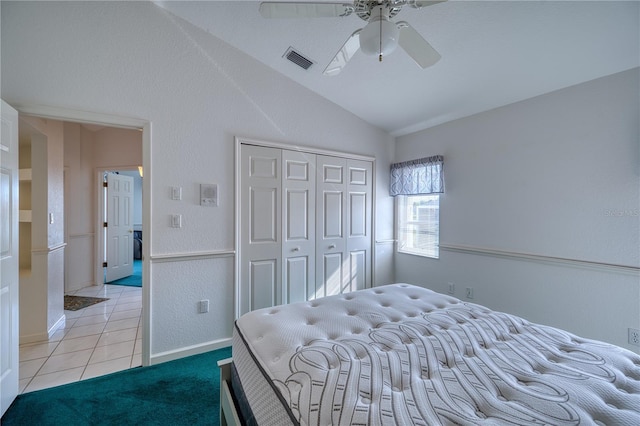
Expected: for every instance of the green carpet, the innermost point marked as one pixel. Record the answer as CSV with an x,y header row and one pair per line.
x,y
133,280
181,392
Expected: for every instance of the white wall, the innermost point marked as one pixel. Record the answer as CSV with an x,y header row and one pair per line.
x,y
557,175
131,59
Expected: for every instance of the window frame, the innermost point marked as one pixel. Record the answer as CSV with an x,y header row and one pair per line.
x,y
401,204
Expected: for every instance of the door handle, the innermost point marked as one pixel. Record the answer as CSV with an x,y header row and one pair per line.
x,y
295,249
332,246
131,231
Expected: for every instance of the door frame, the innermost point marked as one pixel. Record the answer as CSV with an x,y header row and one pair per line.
x,y
88,117
239,141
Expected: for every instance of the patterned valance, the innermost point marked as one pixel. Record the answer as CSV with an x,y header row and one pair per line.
x,y
423,176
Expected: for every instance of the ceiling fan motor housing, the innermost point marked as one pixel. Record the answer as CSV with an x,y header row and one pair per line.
x,y
380,36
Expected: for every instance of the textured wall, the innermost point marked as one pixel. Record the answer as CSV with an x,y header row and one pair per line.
x,y
133,59
557,175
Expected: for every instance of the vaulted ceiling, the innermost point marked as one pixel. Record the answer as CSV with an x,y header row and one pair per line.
x,y
493,53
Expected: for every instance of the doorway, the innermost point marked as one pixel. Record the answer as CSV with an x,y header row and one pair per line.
x,y
74,118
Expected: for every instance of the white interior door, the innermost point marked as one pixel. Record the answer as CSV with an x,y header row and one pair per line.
x,y
9,274
344,223
298,218
359,224
305,226
260,228
119,239
331,273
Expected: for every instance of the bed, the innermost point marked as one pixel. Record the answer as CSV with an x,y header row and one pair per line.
x,y
401,354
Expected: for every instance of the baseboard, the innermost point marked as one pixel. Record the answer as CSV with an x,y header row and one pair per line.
x,y
33,338
188,351
58,325
43,337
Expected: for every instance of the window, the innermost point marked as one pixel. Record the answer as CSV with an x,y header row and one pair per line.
x,y
419,225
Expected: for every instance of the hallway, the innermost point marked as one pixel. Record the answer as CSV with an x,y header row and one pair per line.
x,y
97,340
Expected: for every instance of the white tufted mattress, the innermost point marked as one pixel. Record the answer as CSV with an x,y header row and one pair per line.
x,y
401,354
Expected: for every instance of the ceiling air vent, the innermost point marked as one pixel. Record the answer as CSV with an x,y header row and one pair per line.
x,y
298,59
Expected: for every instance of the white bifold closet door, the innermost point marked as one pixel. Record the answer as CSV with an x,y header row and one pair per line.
x,y
305,226
343,225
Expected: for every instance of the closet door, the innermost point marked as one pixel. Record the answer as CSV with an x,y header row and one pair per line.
x,y
359,224
343,231
305,226
260,228
298,222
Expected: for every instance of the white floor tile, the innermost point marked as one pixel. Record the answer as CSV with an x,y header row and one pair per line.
x,y
37,350
84,330
78,344
100,339
126,307
22,384
136,360
57,336
29,368
66,361
107,367
134,313
98,309
114,351
133,298
70,315
92,319
54,379
122,324
112,337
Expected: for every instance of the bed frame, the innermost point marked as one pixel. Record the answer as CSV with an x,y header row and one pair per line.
x,y
228,414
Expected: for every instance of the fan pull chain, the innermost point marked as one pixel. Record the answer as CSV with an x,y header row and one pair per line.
x,y
380,32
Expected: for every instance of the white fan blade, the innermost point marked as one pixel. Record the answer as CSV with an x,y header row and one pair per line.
x,y
419,4
346,52
416,46
304,10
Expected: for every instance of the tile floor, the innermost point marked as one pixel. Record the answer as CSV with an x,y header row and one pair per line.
x,y
97,340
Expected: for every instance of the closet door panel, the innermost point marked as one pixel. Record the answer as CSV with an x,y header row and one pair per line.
x,y
298,218
260,263
359,226
263,283
331,195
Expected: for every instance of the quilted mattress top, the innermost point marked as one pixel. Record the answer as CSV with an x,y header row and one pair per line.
x,y
401,354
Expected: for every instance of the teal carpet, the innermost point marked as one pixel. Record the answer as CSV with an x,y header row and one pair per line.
x,y
134,280
181,392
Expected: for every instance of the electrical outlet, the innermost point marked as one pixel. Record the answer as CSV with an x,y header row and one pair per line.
x,y
469,293
634,337
452,288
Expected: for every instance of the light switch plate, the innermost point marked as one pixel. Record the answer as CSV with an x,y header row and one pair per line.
x,y
176,221
176,193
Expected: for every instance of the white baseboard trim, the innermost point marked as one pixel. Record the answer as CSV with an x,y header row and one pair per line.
x,y
188,351
33,338
58,325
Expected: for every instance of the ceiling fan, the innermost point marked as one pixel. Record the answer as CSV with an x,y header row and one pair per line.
x,y
379,37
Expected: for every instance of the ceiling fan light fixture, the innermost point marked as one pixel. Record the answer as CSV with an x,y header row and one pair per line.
x,y
379,37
